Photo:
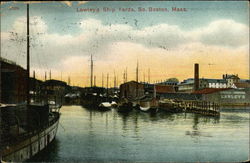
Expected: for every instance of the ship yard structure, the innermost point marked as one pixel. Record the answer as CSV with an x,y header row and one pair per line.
x,y
197,95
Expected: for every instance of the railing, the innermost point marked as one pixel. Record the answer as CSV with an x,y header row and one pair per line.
x,y
6,141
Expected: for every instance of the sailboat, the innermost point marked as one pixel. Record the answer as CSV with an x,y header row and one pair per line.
x,y
26,135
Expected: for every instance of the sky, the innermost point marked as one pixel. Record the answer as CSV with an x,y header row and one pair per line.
x,y
168,42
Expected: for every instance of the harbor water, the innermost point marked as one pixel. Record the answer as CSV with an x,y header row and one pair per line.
x,y
86,135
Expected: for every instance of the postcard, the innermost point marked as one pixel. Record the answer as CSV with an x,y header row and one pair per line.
x,y
124,81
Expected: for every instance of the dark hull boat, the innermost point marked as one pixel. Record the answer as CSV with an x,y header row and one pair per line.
x,y
91,101
26,129
149,105
125,107
28,132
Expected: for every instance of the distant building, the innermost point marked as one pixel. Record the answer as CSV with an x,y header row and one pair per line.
x,y
186,86
213,83
95,90
242,85
36,90
225,96
228,81
167,83
55,91
231,79
131,90
13,82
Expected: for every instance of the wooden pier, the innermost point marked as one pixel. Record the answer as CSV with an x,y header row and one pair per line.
x,y
190,106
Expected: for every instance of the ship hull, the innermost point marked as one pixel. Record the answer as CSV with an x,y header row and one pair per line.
x,y
32,145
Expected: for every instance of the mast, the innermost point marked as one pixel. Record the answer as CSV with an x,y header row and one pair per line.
x,y
91,73
144,77
137,71
28,58
0,86
102,80
34,74
114,80
107,80
126,75
149,75
69,80
107,84
137,78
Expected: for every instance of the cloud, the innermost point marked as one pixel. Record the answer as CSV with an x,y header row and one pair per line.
x,y
162,46
225,33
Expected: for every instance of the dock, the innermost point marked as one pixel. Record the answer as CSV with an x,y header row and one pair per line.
x,y
190,106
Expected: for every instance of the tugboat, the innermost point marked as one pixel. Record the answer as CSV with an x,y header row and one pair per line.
x,y
26,129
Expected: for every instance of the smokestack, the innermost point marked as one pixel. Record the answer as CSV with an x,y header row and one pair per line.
x,y
196,76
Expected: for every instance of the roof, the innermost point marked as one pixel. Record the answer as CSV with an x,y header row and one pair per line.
x,y
164,89
132,82
232,76
242,85
54,82
215,80
210,90
187,81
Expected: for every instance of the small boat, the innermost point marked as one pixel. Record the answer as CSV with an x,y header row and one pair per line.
x,y
104,106
148,104
170,105
114,104
144,108
148,108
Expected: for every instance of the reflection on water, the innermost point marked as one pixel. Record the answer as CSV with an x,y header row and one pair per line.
x,y
91,136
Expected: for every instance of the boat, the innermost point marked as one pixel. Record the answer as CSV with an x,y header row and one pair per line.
x,y
148,104
145,108
91,100
114,104
125,107
28,128
104,106
22,142
170,105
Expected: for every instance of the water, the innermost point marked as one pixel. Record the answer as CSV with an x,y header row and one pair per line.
x,y
92,136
